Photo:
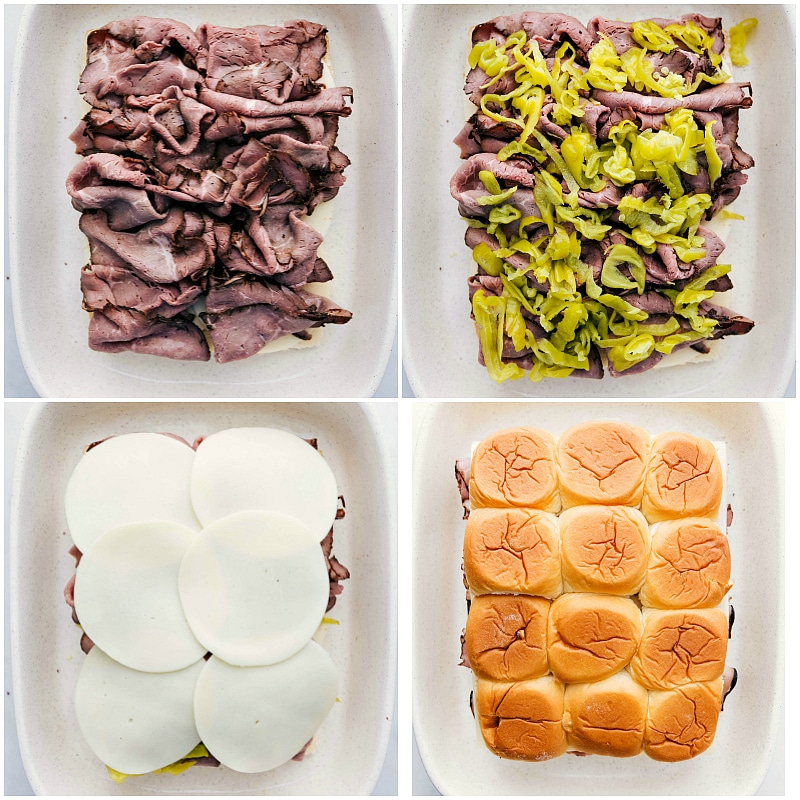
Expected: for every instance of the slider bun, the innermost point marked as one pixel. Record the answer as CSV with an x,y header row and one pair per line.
x,y
506,637
606,718
591,636
512,550
515,467
603,549
683,478
680,647
689,565
602,462
681,722
522,720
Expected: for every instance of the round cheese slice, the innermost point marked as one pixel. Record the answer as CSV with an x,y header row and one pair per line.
x,y
254,587
129,478
126,596
136,722
255,718
263,468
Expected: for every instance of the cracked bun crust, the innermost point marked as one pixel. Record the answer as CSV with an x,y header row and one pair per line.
x,y
604,549
606,718
683,478
512,550
680,647
602,462
689,565
591,636
681,722
522,720
515,467
506,637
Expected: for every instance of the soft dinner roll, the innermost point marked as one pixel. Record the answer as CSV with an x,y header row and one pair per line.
x,y
681,722
683,478
591,636
689,565
506,637
606,718
603,549
522,720
602,462
512,550
681,646
515,467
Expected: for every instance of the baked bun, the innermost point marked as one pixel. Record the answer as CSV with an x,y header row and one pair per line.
x,y
515,467
606,718
591,636
506,637
681,722
522,720
602,462
680,647
603,549
512,550
689,565
683,478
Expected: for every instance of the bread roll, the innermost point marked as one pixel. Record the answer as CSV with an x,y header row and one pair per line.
x,y
591,636
680,647
683,478
681,722
689,565
522,720
603,549
506,637
513,550
515,467
606,718
602,462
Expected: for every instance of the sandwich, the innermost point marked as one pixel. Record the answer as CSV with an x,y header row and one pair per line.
x,y
602,462
603,549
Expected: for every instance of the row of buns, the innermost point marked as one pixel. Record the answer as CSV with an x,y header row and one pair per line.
x,y
682,563
669,476
584,637
540,719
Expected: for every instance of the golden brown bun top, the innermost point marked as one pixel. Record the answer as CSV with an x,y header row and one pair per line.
x,y
602,462
604,549
506,637
512,550
515,467
681,646
689,565
522,720
607,717
591,636
683,479
681,722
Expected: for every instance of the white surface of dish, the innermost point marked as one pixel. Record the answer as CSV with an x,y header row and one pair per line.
x,y
126,596
360,245
456,761
254,587
129,479
437,263
46,656
136,721
263,468
256,718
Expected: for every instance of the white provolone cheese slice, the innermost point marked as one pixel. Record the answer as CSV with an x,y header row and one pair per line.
x,y
254,587
134,721
126,596
129,478
255,718
263,468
